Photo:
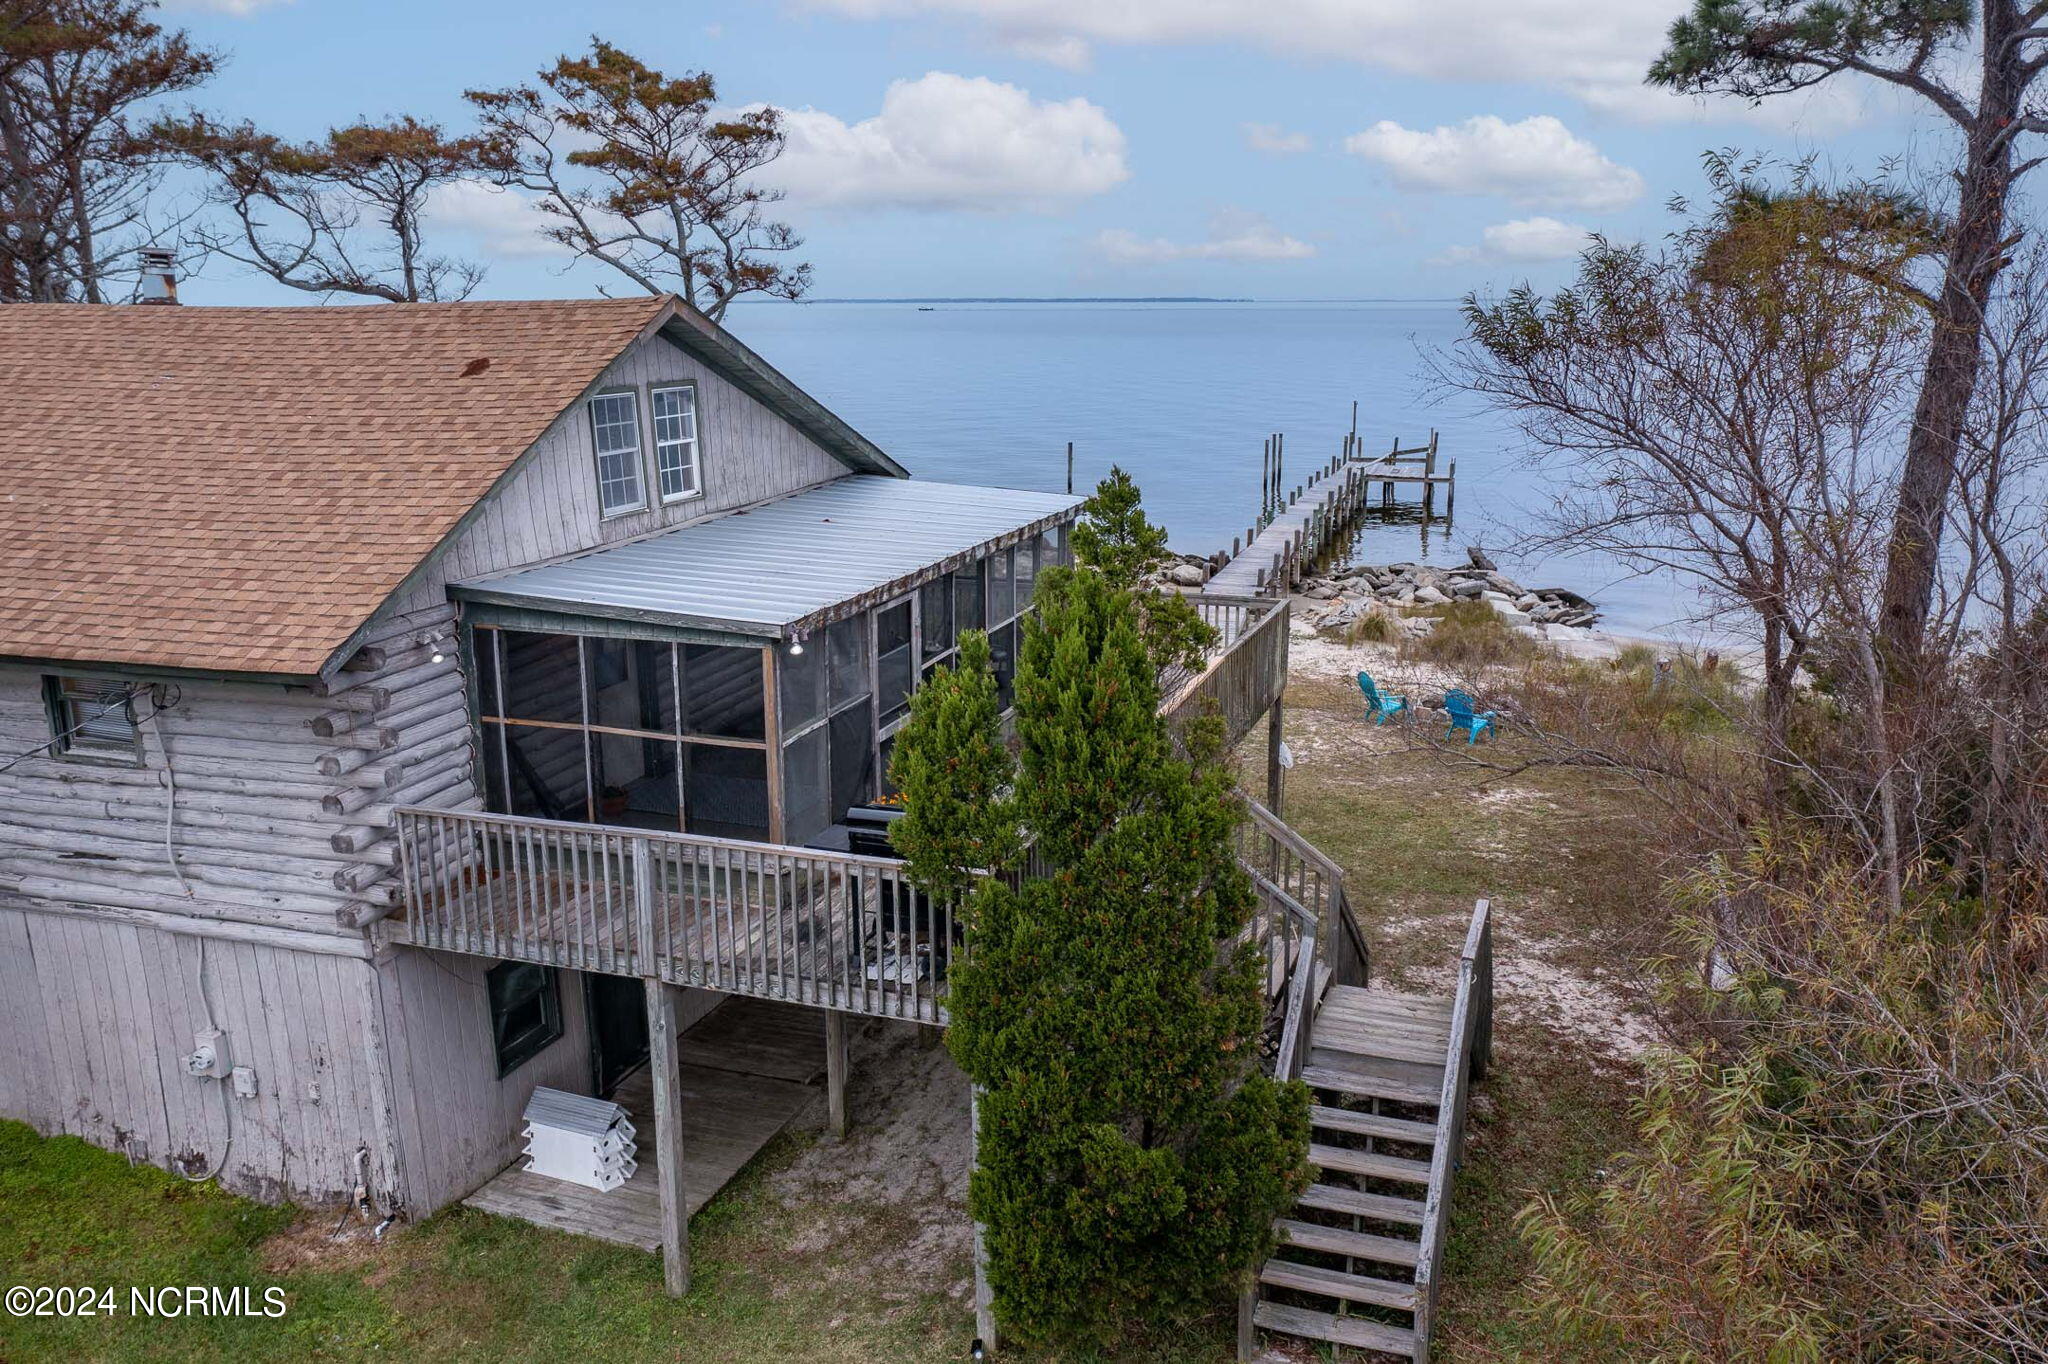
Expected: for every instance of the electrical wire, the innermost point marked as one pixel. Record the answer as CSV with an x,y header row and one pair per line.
x,y
163,742
227,1109
126,697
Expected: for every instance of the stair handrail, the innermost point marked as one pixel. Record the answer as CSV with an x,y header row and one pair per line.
x,y
1292,1055
1469,1051
1349,952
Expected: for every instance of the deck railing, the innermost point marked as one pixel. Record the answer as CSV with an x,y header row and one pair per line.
x,y
833,929
1245,672
1469,1054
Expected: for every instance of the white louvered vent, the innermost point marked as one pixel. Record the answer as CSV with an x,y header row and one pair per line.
x,y
584,1141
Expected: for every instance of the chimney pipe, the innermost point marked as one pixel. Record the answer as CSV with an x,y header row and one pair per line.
x,y
159,275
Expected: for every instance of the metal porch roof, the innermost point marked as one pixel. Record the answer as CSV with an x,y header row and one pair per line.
x,y
780,565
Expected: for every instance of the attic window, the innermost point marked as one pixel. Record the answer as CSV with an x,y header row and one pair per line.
x,y
91,718
675,440
615,429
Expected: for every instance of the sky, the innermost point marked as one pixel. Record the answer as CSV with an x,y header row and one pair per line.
x,y
1271,149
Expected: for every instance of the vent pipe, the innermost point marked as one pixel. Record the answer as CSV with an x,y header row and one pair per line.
x,y
159,275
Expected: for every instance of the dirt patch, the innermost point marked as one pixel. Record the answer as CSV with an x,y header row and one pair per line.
x,y
904,1164
325,1241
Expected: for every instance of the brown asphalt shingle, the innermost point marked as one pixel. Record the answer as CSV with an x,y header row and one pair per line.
x,y
237,489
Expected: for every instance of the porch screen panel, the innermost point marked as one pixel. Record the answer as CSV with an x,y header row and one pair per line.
x,y
807,785
725,790
723,694
542,676
895,661
547,772
828,752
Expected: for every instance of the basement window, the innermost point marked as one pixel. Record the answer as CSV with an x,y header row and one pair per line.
x,y
526,1012
92,717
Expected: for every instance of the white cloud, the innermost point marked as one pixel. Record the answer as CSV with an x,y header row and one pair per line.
x,y
1536,162
953,142
1066,52
1587,47
1273,139
1233,236
504,222
1525,241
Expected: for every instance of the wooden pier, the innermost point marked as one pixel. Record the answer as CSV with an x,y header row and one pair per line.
x,y
1296,527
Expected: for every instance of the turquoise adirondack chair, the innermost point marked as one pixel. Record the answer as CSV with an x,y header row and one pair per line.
x,y
1380,704
1466,715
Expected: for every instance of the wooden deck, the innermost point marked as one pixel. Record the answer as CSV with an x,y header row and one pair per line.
x,y
1309,520
749,1067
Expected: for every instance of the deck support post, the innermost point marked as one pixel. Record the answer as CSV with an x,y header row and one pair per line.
x,y
1275,725
835,1073
665,1060
1247,1333
984,1298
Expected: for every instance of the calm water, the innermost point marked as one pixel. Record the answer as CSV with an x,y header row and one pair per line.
x,y
1182,396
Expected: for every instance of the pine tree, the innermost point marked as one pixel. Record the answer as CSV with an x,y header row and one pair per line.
x,y
1117,540
953,770
1131,1157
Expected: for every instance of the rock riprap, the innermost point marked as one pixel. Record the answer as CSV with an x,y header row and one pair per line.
x,y
1363,588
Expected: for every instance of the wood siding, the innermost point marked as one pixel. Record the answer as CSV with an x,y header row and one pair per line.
x,y
100,1014
268,847
548,508
458,1123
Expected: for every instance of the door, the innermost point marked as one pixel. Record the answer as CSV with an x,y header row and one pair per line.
x,y
617,1009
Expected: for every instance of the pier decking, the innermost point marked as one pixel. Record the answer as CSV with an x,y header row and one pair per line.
x,y
1309,519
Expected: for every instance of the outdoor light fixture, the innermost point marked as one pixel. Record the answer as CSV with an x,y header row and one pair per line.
x,y
796,644
976,1350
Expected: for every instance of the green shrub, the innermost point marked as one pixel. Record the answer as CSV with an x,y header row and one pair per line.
x,y
1131,1156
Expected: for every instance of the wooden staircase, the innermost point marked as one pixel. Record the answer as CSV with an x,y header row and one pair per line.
x,y
1359,1258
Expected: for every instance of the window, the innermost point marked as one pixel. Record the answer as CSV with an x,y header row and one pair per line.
x,y
526,1011
92,718
615,428
675,442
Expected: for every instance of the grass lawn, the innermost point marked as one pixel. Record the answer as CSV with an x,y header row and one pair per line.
x,y
776,1279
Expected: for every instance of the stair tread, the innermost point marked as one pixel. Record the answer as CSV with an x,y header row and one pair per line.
x,y
1353,998
1369,1086
1341,1020
1335,1283
1356,1332
1368,1163
1382,1207
1359,1245
1381,1047
1371,1124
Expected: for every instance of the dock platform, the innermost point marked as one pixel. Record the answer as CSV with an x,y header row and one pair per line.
x,y
1270,558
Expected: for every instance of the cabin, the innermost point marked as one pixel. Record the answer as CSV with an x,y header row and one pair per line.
x,y
406,708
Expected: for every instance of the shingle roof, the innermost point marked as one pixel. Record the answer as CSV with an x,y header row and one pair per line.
x,y
237,489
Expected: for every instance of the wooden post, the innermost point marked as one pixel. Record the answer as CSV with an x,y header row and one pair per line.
x,y
984,1299
835,1073
664,1060
1247,1334
1275,725
1070,468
